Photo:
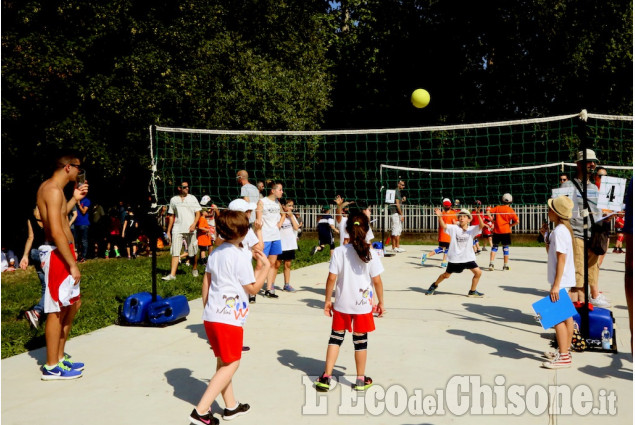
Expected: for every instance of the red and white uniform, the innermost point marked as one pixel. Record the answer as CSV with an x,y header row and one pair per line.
x,y
61,290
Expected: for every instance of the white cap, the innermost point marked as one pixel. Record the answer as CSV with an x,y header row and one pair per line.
x,y
507,198
241,205
590,156
205,200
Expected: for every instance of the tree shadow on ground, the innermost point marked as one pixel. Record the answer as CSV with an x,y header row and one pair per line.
x,y
498,314
188,388
308,365
502,348
526,291
616,369
198,329
312,303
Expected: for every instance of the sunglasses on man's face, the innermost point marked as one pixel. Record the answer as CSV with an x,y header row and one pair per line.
x,y
563,180
184,187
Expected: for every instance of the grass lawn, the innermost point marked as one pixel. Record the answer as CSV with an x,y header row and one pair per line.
x,y
107,283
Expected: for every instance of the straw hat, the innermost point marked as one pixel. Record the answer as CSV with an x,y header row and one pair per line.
x,y
465,212
562,206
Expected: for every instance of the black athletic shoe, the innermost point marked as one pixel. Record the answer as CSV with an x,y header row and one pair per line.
x,y
431,289
252,299
206,419
323,384
241,409
363,384
270,294
475,294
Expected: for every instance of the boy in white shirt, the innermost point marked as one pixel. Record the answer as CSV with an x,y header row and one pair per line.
x,y
460,253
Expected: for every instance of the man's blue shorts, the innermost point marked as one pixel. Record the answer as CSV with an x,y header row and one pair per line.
x,y
273,248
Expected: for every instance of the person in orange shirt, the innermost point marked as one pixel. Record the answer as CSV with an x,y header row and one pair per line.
x,y
449,217
504,219
204,231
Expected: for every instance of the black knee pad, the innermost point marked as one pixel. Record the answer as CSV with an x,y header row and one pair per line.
x,y
337,337
360,342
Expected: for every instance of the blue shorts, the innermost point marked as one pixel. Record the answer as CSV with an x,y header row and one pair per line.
x,y
273,248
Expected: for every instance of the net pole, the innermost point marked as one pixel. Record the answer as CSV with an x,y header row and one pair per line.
x,y
380,204
154,233
584,141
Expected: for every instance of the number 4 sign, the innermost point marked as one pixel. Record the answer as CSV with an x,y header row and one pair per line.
x,y
611,195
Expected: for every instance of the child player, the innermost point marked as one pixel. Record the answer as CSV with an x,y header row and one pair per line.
x,y
504,219
619,231
229,278
476,217
353,271
449,217
460,254
488,228
289,227
325,227
560,274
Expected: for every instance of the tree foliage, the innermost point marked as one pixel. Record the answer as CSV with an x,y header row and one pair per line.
x,y
93,76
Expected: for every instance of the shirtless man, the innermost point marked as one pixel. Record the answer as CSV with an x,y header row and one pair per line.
x,y
62,275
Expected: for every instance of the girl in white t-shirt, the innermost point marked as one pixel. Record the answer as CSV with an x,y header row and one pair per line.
x,y
353,271
560,274
289,228
460,252
229,278
269,214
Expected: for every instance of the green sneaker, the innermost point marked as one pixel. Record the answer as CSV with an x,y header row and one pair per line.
x,y
424,257
431,289
475,294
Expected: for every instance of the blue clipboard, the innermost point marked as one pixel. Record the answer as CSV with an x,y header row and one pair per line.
x,y
550,313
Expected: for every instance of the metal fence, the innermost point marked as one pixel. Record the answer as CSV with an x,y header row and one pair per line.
x,y
421,218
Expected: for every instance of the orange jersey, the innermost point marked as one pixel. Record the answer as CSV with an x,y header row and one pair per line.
x,y
449,217
504,215
202,233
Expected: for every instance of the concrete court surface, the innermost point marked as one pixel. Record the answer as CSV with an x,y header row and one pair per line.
x,y
434,359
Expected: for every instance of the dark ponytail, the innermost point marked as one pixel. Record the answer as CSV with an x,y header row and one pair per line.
x,y
357,227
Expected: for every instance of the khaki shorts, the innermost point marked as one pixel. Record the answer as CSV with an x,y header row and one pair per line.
x,y
578,258
177,244
396,225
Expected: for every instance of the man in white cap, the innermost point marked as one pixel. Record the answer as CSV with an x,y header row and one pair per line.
x,y
577,223
253,240
505,219
184,212
449,217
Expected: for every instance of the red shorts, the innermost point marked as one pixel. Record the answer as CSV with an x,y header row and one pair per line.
x,y
61,290
361,323
226,340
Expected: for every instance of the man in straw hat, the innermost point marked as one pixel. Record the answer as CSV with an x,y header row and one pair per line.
x,y
577,223
460,253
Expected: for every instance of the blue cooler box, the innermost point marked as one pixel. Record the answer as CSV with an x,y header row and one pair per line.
x,y
168,310
599,318
135,308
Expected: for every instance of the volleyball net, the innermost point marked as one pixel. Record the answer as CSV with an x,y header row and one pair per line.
x,y
467,162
